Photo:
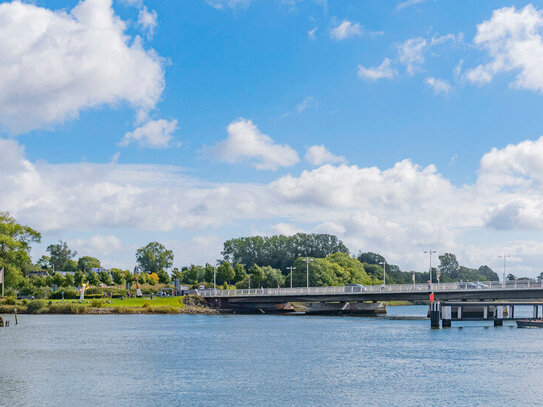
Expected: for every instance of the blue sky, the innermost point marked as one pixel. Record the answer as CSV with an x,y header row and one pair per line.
x,y
372,120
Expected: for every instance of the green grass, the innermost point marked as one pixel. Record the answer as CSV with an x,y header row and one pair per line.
x,y
136,302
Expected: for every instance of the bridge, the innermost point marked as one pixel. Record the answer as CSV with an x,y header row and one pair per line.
x,y
260,298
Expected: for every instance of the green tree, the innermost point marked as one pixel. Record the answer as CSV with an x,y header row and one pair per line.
x,y
118,277
353,271
105,278
15,241
78,278
87,263
163,277
257,276
44,262
93,278
239,273
225,273
154,257
370,258
68,281
58,280
60,253
209,272
272,277
448,266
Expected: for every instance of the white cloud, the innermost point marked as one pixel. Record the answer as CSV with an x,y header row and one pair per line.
x,y
308,102
411,54
311,33
55,64
152,134
224,4
147,20
346,30
319,155
97,245
409,3
383,71
398,211
439,86
513,40
246,142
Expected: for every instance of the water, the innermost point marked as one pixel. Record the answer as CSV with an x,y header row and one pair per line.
x,y
171,360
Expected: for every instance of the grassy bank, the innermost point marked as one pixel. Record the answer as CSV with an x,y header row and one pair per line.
x,y
158,305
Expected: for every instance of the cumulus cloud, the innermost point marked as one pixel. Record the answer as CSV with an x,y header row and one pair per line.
x,y
152,134
383,71
513,40
55,64
97,245
246,142
346,30
411,54
398,211
319,155
439,86
147,20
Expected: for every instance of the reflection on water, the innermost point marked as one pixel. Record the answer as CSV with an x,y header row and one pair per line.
x,y
250,360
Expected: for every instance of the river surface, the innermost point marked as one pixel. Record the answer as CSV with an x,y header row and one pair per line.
x,y
253,360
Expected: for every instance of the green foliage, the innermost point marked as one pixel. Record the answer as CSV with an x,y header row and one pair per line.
x,y
370,258
96,303
239,273
93,278
448,266
57,279
87,263
209,271
280,251
154,257
163,277
105,278
353,270
66,308
225,273
35,306
11,300
118,276
68,281
59,254
15,240
69,294
79,278
44,262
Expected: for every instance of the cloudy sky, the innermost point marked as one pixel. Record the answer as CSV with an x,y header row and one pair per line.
x,y
398,126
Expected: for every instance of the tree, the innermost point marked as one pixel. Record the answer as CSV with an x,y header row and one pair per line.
x,y
78,277
153,278
44,262
511,277
87,263
118,277
68,281
60,253
154,257
105,278
93,278
354,272
448,266
58,280
163,277
488,273
209,272
272,277
280,251
225,273
15,241
239,273
370,258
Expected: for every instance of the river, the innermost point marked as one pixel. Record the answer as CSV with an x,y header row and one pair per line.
x,y
252,360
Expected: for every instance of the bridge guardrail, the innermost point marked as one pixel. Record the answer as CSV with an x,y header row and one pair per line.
x,y
393,288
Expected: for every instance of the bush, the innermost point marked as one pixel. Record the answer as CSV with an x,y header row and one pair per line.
x,y
97,303
9,301
69,294
66,308
35,306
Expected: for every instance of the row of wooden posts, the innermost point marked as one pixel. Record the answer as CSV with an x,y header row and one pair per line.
x,y
6,322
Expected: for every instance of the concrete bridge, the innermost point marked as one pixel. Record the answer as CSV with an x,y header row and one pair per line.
x,y
276,298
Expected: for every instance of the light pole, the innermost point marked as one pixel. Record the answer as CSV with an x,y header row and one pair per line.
x,y
215,278
430,252
384,263
504,257
307,260
291,268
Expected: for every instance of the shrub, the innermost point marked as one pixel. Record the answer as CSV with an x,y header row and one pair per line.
x,y
97,303
35,306
69,294
66,308
9,300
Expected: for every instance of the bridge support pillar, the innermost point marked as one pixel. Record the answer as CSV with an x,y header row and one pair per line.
x,y
446,316
498,315
435,314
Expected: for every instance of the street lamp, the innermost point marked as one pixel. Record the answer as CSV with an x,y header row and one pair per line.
x,y
384,263
504,257
291,268
307,260
430,252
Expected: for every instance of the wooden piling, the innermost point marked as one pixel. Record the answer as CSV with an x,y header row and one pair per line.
x,y
435,314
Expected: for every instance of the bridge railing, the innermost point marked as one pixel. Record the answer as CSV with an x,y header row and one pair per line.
x,y
393,288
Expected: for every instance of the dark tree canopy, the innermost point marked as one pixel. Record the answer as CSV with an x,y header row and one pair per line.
x,y
87,263
280,251
154,257
370,258
60,255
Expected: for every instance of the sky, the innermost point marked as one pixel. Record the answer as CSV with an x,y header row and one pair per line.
x,y
399,126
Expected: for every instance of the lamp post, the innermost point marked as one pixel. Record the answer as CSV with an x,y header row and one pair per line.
x,y
384,263
291,268
307,260
504,257
430,252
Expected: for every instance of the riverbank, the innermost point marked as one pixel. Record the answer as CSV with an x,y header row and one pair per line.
x,y
157,305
